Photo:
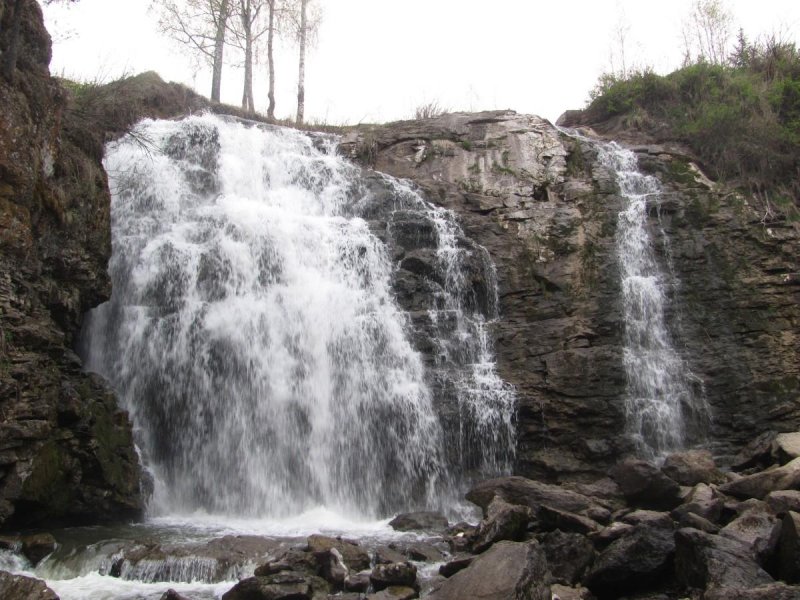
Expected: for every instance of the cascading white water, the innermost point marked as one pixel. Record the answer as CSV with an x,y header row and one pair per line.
x,y
254,337
660,402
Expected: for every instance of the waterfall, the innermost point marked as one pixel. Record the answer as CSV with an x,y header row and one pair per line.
x,y
254,336
661,406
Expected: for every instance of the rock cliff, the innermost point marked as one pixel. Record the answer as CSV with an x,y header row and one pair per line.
x,y
537,200
66,451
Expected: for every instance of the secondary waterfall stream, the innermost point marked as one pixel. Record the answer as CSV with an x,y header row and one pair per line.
x,y
254,336
661,406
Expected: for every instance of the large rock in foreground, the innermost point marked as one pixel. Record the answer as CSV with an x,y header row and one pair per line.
x,y
639,560
759,485
508,570
18,587
706,561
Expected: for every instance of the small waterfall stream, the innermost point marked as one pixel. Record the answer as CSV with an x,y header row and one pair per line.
x,y
661,406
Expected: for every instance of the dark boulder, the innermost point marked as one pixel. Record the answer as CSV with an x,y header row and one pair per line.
x,y
649,518
758,528
569,556
353,555
19,587
332,567
173,595
703,560
645,486
423,552
770,591
782,501
608,534
527,492
759,485
419,521
507,570
503,521
637,561
387,554
702,501
286,585
691,467
394,592
551,519
290,560
789,548
36,547
757,454
393,574
455,565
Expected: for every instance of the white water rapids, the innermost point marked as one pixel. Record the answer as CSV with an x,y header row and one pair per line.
x,y
255,339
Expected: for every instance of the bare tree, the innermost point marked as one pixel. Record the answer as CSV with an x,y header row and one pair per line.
x,y
273,8
301,76
201,26
244,28
618,55
707,31
305,19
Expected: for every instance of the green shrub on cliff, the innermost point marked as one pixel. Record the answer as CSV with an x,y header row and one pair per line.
x,y
742,119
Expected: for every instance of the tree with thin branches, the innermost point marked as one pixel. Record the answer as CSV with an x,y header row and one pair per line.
x,y
707,32
201,26
305,20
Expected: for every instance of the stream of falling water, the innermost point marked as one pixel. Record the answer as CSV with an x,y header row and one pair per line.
x,y
254,337
257,342
661,406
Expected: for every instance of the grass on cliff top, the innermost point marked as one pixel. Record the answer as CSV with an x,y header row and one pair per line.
x,y
741,119
97,112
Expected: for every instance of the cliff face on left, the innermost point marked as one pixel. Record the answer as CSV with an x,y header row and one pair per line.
x,y
66,450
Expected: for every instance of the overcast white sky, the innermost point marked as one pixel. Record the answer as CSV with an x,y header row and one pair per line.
x,y
376,60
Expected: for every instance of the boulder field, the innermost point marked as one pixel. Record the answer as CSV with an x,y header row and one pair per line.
x,y
642,533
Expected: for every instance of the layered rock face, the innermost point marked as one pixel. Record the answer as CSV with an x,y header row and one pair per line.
x,y
66,451
537,200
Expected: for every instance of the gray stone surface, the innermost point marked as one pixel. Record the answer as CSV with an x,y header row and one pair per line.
x,y
508,570
533,198
759,485
704,561
19,587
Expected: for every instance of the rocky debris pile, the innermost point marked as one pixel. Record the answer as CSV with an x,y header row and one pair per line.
x,y
685,529
327,567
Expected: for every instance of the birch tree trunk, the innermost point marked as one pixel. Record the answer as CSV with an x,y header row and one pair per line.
x,y
246,14
270,61
219,47
301,86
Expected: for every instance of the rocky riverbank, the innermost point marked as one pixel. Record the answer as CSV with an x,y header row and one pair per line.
x,y
685,530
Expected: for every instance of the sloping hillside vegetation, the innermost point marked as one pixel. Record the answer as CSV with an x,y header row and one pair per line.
x,y
742,119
